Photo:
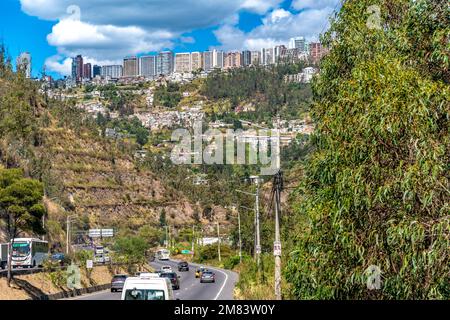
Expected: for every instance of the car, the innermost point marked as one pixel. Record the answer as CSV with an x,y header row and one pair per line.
x,y
183,266
59,258
99,259
174,279
148,286
118,282
208,276
166,269
199,271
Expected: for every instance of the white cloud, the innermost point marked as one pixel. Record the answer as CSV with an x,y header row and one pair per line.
x,y
108,30
260,6
175,15
278,27
59,64
314,4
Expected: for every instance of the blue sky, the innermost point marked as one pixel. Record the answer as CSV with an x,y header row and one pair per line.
x,y
105,31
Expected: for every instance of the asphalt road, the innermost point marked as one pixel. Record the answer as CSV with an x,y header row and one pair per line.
x,y
190,287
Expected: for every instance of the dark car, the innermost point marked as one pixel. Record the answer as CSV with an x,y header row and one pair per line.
x,y
183,266
60,258
117,282
208,276
174,279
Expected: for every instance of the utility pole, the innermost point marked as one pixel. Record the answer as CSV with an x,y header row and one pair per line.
x,y
240,237
193,231
218,236
167,236
68,235
258,236
277,185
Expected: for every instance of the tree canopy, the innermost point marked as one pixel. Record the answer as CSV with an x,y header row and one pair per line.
x,y
376,188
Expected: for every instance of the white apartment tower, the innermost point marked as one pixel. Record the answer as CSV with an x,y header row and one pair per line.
x,y
183,62
23,63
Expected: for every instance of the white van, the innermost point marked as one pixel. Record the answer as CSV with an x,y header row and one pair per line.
x,y
148,286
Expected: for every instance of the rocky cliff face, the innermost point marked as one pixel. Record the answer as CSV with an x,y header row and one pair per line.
x,y
103,183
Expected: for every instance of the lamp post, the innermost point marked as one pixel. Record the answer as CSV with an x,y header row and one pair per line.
x,y
68,237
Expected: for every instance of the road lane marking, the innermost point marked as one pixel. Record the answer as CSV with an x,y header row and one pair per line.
x,y
224,283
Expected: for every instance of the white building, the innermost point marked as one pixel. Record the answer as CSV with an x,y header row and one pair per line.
x,y
23,63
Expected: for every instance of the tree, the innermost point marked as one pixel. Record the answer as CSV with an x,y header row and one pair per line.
x,y
152,235
21,207
375,191
162,218
131,250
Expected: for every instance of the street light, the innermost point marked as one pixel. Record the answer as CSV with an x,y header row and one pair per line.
x,y
68,240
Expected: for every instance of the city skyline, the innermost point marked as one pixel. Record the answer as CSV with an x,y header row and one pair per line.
x,y
167,62
242,24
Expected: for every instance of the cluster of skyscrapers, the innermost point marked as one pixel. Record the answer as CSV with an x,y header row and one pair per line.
x,y
166,62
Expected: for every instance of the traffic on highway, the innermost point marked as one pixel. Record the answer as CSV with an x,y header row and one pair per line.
x,y
171,280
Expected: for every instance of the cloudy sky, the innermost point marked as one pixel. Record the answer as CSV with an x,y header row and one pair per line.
x,y
104,31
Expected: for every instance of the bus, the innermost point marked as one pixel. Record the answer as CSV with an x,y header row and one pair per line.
x,y
163,254
28,252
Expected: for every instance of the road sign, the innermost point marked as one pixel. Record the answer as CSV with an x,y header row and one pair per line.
x,y
89,264
107,233
99,233
277,248
258,249
95,233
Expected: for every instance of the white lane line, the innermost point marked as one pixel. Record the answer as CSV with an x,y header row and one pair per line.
x,y
224,283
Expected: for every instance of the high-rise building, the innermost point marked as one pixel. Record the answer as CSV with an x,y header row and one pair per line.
x,y
246,58
97,71
207,61
74,69
317,51
279,52
298,43
233,60
23,63
255,58
218,57
267,56
147,66
196,61
87,71
165,63
79,69
130,67
112,71
183,62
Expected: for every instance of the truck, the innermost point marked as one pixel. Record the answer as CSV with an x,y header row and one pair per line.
x,y
3,255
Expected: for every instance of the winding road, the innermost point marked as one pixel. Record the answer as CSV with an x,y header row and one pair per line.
x,y
190,287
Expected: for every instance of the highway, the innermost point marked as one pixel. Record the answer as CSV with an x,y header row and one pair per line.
x,y
190,287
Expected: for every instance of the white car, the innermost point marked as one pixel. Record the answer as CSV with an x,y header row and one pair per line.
x,y
148,286
165,269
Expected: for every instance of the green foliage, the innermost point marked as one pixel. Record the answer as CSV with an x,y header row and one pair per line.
x,y
231,262
21,207
210,252
123,101
131,250
168,96
151,234
375,190
264,87
82,256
